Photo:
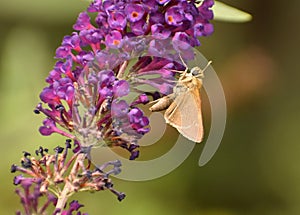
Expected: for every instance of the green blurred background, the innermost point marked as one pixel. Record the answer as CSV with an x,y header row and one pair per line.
x,y
256,169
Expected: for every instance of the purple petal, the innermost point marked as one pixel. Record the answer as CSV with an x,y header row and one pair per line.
x,y
91,36
95,6
119,108
63,52
45,131
160,32
134,155
83,22
106,78
157,18
74,205
144,121
18,179
121,88
143,130
181,41
84,57
139,27
47,95
105,92
73,41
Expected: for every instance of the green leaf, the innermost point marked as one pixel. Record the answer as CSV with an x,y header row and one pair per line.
x,y
223,12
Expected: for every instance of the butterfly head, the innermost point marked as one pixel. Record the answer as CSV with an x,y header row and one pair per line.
x,y
197,72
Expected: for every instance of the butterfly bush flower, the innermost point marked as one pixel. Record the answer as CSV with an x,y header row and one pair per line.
x,y
114,46
86,68
117,47
44,177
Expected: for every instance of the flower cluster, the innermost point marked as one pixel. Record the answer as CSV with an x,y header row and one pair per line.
x,y
58,175
87,97
83,65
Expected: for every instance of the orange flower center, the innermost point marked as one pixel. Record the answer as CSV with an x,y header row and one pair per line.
x,y
116,42
170,18
134,14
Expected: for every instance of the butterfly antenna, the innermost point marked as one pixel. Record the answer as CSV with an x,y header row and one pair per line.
x,y
186,66
208,64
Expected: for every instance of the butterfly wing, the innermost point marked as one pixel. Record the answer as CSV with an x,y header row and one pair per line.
x,y
185,114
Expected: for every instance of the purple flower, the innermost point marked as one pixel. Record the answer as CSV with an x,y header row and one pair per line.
x,y
91,36
84,57
92,73
205,11
203,29
114,39
61,68
106,78
160,32
128,120
140,27
181,41
74,205
174,16
48,128
61,89
157,18
117,20
88,90
83,22
63,51
138,121
119,109
43,176
121,88
142,99
72,41
135,12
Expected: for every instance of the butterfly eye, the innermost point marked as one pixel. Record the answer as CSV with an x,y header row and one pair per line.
x,y
195,71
